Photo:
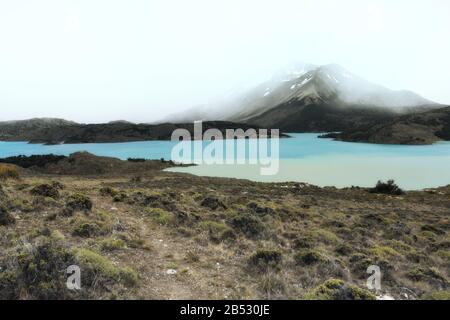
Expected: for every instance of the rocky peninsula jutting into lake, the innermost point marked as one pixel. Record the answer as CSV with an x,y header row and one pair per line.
x,y
412,129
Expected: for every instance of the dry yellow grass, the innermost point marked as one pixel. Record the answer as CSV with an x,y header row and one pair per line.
x,y
8,171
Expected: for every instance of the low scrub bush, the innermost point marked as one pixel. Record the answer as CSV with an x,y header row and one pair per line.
x,y
36,271
160,216
101,269
388,187
309,257
79,202
87,230
422,273
213,203
111,244
436,295
334,289
46,190
265,259
217,231
108,191
249,225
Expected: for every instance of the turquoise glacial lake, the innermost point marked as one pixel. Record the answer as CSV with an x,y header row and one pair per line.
x,y
302,158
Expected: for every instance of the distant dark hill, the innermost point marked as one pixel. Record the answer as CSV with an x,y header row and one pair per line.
x,y
419,128
61,131
11,129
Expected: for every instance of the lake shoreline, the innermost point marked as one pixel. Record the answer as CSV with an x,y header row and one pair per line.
x,y
303,158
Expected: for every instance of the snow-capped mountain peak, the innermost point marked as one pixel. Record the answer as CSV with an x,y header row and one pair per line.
x,y
306,84
333,83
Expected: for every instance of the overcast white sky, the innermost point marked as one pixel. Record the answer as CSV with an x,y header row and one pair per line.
x,y
100,60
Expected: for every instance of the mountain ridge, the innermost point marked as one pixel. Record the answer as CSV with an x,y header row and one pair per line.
x,y
341,99
290,95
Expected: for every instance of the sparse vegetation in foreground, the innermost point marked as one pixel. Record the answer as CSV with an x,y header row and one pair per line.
x,y
176,236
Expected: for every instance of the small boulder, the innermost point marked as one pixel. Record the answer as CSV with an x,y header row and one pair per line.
x,y
171,272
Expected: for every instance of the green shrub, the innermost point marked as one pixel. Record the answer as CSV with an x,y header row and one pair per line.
x,y
111,244
249,225
335,289
308,257
45,190
58,185
384,252
344,249
436,295
120,197
79,202
388,187
129,277
325,236
136,243
38,272
87,230
265,259
218,231
108,191
213,203
21,205
98,266
432,229
303,243
160,216
444,255
423,273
